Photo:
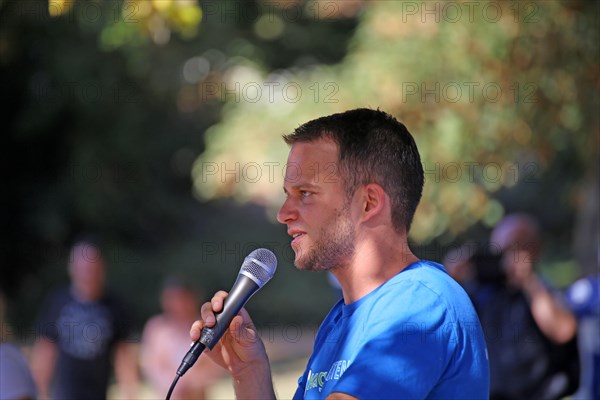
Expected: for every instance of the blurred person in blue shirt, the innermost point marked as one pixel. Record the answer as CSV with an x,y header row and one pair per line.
x,y
16,381
584,298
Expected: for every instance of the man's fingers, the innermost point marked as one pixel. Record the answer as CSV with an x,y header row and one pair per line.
x,y
245,315
243,328
208,309
195,330
217,300
207,314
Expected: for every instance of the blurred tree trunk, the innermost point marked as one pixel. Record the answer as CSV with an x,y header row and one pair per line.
x,y
587,226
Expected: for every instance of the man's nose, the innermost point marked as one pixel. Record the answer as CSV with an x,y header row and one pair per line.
x,y
287,212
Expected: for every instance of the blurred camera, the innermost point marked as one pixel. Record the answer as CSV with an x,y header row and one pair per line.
x,y
488,266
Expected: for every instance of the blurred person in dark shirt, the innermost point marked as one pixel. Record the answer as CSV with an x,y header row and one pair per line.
x,y
529,332
81,328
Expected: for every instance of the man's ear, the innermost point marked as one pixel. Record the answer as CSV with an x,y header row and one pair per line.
x,y
373,201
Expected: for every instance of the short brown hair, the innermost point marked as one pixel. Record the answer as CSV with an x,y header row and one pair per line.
x,y
374,147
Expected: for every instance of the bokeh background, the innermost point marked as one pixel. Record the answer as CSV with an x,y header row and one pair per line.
x,y
157,125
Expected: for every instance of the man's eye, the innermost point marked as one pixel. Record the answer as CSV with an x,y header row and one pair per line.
x,y
304,193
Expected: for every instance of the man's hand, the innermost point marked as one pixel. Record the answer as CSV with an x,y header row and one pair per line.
x,y
240,351
554,320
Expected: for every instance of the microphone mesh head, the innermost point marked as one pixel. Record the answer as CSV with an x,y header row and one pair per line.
x,y
261,264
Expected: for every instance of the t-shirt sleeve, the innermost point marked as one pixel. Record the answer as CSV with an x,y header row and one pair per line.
x,y
583,297
403,359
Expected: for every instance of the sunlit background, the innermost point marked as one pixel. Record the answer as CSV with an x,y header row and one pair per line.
x,y
157,124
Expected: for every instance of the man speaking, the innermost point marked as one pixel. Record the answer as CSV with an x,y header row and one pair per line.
x,y
404,328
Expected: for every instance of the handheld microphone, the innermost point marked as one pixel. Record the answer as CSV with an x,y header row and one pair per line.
x,y
258,268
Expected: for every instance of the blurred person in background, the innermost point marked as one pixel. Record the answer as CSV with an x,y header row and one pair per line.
x,y
583,297
165,339
530,332
458,264
16,381
81,328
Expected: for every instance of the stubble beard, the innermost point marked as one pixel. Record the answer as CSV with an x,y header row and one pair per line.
x,y
335,247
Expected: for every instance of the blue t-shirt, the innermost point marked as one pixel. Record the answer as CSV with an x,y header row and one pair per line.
x,y
16,381
417,336
584,299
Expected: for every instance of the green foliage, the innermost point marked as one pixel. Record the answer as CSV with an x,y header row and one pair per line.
x,y
103,120
495,94
157,124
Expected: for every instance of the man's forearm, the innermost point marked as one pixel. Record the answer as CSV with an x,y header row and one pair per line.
x,y
42,365
255,382
557,323
126,369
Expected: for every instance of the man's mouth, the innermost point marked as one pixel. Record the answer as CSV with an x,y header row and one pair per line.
x,y
296,237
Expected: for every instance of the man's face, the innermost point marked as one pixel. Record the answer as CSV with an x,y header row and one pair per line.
x,y
316,210
520,248
87,272
180,303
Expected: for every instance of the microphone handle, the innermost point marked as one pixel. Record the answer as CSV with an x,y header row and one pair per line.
x,y
242,290
240,293
190,357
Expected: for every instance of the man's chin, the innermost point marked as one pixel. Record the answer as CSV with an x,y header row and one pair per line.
x,y
302,264
299,258
310,261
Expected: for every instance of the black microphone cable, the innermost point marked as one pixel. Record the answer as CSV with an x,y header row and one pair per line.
x,y
187,362
172,387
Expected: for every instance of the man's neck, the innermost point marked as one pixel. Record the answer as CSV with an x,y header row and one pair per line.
x,y
374,263
85,297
